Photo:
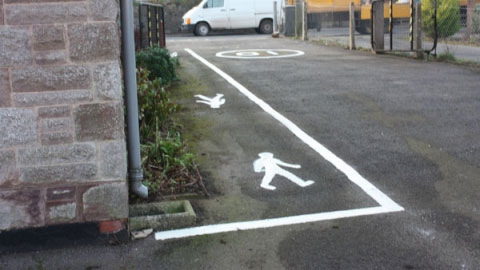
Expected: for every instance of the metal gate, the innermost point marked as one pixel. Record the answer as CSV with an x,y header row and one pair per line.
x,y
152,25
401,27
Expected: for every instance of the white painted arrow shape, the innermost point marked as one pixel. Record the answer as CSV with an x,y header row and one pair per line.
x,y
214,102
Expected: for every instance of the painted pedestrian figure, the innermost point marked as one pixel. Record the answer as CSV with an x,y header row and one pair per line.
x,y
214,103
271,166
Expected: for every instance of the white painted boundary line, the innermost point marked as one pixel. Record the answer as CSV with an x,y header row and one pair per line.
x,y
387,205
268,223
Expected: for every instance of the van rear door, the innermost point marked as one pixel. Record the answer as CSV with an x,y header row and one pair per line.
x,y
216,14
241,13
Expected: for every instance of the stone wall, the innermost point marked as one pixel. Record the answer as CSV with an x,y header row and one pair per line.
x,y
62,142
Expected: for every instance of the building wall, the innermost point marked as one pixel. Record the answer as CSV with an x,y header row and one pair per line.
x,y
62,142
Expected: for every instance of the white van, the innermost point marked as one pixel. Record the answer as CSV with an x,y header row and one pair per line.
x,y
229,14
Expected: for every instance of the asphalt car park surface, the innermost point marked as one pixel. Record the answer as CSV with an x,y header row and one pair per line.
x,y
410,128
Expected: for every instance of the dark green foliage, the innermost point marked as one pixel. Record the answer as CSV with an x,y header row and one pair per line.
x,y
155,105
448,17
168,168
167,164
159,63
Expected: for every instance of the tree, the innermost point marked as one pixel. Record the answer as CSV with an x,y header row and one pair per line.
x,y
448,17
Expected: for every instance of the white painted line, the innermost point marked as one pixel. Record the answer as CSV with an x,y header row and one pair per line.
x,y
387,205
255,53
268,223
272,52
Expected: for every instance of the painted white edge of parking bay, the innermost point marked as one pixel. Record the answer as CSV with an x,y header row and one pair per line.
x,y
293,54
387,205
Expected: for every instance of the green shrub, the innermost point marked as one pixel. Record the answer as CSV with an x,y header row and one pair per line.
x,y
159,62
166,164
155,105
448,17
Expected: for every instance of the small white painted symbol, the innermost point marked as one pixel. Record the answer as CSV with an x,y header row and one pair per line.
x,y
259,53
247,54
271,166
214,102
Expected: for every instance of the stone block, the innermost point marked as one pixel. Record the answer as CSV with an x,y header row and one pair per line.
x,y
8,170
50,57
51,98
54,112
50,78
48,37
59,173
94,42
104,10
1,13
56,138
16,47
18,127
108,81
35,1
106,202
113,160
59,154
61,212
61,194
5,100
99,122
46,14
55,125
21,209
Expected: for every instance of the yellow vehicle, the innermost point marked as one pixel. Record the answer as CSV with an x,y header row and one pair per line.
x,y
338,10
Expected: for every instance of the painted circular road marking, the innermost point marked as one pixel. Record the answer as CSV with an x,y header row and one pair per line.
x,y
259,53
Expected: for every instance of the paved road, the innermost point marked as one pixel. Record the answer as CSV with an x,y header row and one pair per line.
x,y
410,128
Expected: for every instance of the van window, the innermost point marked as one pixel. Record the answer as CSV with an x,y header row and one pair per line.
x,y
213,4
